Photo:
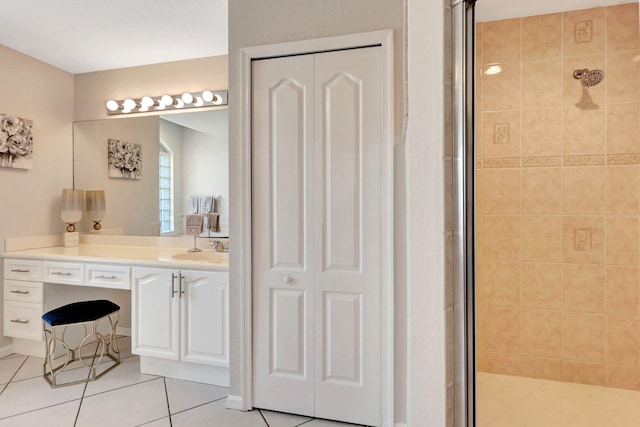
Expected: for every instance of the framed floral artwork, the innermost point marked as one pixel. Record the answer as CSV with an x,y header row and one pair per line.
x,y
16,142
125,159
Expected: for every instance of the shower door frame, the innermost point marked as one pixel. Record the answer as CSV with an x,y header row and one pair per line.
x,y
463,28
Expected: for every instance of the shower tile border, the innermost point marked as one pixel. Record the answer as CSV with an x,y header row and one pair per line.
x,y
558,161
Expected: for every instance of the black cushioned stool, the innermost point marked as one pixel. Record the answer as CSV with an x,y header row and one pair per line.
x,y
88,314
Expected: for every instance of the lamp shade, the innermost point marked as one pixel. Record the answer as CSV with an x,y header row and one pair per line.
x,y
95,207
71,207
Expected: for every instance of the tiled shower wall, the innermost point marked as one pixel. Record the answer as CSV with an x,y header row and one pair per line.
x,y
558,197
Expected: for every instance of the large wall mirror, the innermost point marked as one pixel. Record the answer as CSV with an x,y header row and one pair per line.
x,y
194,151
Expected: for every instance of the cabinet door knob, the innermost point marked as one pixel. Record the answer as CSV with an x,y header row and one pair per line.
x,y
288,279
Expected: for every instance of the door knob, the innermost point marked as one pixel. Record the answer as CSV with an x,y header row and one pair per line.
x,y
287,279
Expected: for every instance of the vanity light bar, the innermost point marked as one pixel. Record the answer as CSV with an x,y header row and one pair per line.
x,y
206,98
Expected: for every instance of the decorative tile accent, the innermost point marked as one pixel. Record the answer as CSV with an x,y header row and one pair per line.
x,y
541,161
584,160
623,159
583,31
501,133
582,239
502,162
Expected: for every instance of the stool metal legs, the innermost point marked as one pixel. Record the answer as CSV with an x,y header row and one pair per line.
x,y
108,349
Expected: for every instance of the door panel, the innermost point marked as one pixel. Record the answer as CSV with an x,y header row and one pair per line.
x,y
287,129
204,297
342,130
282,195
317,234
349,200
154,307
343,338
287,346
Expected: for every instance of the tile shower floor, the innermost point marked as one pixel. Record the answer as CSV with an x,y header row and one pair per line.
x,y
509,401
122,398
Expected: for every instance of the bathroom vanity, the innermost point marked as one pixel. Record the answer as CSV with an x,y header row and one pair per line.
x,y
179,300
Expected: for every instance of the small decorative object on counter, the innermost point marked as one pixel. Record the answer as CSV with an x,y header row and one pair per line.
x,y
96,207
71,209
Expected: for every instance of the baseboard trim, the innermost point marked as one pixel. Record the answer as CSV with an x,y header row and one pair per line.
x,y
234,402
6,350
400,425
123,331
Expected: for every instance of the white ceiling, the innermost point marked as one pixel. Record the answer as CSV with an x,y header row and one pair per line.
x,y
80,36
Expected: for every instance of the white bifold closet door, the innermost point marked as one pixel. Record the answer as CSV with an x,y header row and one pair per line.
x,y
317,234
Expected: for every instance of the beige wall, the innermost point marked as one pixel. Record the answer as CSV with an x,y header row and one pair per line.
x,y
131,204
30,198
559,198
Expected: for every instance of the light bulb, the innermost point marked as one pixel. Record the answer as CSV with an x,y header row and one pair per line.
x,y
112,105
216,100
198,102
129,104
146,101
207,96
167,100
179,103
187,98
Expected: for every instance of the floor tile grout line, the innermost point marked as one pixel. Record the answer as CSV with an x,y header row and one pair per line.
x,y
151,421
263,417
39,409
126,386
75,422
12,356
86,385
166,394
14,375
198,406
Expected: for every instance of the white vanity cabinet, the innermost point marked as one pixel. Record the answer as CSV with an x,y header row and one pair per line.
x,y
180,315
23,299
179,306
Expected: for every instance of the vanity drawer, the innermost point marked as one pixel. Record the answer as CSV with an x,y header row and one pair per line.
x,y
23,320
66,273
23,269
15,290
108,276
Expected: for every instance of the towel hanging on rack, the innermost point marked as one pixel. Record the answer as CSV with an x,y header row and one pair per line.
x,y
194,224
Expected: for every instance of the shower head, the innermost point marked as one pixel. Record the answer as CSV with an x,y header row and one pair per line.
x,y
589,77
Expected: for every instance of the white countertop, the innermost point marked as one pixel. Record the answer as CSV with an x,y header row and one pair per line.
x,y
138,255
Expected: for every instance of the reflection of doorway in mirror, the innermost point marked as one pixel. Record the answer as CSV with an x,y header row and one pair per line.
x,y
125,159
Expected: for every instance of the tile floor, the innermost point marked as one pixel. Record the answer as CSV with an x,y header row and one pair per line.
x,y
122,398
508,401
